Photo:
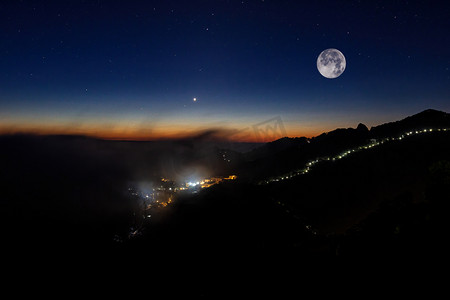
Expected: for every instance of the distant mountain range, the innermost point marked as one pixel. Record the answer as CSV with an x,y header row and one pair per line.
x,y
429,118
284,154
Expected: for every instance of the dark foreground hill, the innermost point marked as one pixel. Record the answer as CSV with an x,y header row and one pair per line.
x,y
387,201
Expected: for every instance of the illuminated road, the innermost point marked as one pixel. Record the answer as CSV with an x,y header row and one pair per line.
x,y
309,165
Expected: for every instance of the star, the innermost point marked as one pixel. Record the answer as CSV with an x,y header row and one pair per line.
x,y
195,99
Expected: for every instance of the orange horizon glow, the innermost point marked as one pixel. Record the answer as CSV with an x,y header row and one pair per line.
x,y
255,130
127,134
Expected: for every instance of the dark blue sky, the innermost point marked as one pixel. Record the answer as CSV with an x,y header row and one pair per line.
x,y
122,68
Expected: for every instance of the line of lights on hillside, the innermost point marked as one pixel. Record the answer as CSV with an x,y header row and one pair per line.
x,y
344,154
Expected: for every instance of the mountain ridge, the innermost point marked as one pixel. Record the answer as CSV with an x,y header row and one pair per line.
x,y
428,117
282,155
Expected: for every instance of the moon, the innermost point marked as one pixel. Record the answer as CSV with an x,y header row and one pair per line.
x,y
331,63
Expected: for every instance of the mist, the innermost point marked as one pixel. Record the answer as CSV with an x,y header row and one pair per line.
x,y
76,187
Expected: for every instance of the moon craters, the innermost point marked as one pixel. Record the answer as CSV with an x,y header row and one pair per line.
x,y
331,63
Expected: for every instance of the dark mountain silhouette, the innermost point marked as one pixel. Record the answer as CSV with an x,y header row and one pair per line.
x,y
287,154
427,119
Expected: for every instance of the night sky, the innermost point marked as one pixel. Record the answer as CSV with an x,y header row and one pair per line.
x,y
131,69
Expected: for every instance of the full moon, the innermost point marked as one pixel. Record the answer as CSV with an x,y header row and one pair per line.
x,y
331,63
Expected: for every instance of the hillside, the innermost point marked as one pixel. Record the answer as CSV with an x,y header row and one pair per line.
x,y
362,205
287,154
